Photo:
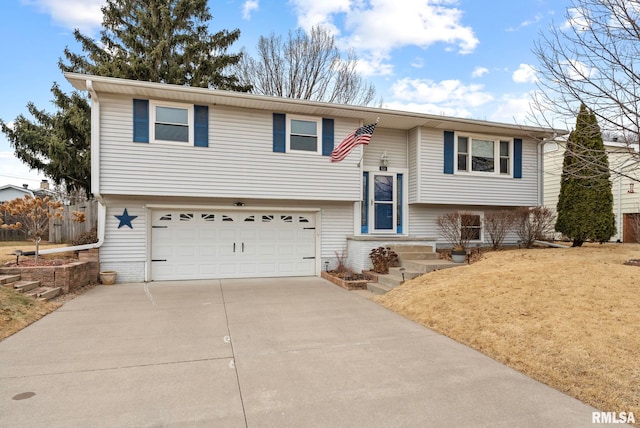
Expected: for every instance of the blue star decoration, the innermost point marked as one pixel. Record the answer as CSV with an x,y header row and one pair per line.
x,y
125,219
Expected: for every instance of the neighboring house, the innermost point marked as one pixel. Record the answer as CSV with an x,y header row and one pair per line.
x,y
625,187
10,192
201,183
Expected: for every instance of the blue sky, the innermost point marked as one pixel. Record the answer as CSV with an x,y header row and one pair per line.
x,y
463,58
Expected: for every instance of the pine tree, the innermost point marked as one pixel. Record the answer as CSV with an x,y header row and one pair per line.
x,y
585,204
165,41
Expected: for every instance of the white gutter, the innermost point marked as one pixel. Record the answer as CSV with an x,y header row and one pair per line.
x,y
95,161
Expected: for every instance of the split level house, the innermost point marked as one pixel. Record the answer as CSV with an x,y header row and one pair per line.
x,y
197,183
625,183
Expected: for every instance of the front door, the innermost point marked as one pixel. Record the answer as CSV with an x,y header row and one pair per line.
x,y
384,201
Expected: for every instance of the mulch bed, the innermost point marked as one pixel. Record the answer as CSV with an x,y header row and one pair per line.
x,y
633,262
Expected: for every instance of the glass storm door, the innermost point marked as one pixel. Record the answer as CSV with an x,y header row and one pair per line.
x,y
383,202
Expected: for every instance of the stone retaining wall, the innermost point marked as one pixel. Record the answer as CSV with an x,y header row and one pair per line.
x,y
68,276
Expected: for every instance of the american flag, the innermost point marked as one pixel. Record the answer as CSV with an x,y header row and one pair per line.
x,y
361,135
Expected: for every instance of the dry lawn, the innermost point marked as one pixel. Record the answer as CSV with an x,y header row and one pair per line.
x,y
18,311
567,317
8,247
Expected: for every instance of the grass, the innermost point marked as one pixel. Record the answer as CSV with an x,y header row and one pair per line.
x,y
566,317
18,311
8,247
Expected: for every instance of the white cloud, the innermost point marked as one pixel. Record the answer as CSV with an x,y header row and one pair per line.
x,y
479,72
578,70
429,108
525,74
417,62
380,26
451,96
577,20
527,23
248,7
513,108
82,14
13,171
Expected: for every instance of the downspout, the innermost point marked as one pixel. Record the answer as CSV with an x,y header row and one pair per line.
x,y
95,184
541,172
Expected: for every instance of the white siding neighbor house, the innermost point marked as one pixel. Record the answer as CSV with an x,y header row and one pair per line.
x,y
624,179
197,183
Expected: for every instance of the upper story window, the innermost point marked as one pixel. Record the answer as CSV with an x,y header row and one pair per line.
x,y
304,134
171,123
477,154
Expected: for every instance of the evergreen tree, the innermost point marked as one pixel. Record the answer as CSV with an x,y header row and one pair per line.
x,y
163,41
585,205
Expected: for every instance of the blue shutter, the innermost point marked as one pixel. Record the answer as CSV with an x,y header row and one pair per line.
x,y
201,126
279,132
399,202
449,151
141,121
327,137
364,208
517,158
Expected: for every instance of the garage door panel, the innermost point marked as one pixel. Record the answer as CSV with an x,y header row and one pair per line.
x,y
216,244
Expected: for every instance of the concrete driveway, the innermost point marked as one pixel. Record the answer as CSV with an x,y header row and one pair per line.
x,y
295,352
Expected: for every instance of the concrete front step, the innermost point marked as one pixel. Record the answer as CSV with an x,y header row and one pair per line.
x,y
25,285
8,279
424,266
412,248
406,256
378,288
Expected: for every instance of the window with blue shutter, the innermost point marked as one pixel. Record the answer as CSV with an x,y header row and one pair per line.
x,y
449,151
517,158
141,121
201,126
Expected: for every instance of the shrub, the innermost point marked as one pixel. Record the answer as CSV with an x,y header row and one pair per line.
x,y
497,224
87,237
533,224
458,228
341,259
382,259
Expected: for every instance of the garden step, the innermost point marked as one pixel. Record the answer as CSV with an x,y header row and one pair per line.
x,y
49,293
35,291
425,266
26,285
8,279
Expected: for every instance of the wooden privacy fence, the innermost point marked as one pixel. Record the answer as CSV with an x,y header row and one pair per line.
x,y
64,230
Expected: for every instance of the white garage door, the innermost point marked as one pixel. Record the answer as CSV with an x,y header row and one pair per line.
x,y
191,244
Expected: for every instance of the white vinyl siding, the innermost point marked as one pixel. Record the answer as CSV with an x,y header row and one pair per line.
x,y
474,189
414,169
423,221
337,224
239,161
391,141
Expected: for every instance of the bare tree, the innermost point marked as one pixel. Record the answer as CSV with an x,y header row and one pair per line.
x,y
593,58
306,66
533,223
